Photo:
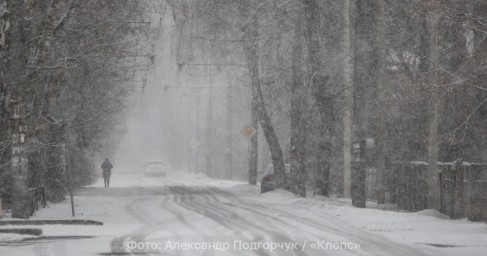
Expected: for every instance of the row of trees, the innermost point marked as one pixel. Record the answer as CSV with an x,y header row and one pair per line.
x,y
321,74
66,69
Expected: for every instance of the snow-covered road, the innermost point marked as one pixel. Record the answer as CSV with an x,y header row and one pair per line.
x,y
209,215
193,215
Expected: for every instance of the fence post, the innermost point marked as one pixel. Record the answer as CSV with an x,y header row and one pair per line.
x,y
358,174
473,214
31,202
423,188
393,185
414,187
459,180
441,178
453,184
409,191
43,197
401,190
470,194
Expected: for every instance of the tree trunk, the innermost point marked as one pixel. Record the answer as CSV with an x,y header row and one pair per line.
x,y
20,139
363,75
259,112
381,126
347,85
272,140
298,122
322,99
433,191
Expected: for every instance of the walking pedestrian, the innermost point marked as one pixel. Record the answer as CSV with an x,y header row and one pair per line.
x,y
107,167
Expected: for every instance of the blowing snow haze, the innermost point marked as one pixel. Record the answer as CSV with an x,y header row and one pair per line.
x,y
263,127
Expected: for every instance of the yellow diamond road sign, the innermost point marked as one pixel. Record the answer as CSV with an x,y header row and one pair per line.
x,y
248,131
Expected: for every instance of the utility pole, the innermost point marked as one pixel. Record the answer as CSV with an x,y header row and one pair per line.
x,y
65,162
229,139
198,136
188,126
250,31
209,128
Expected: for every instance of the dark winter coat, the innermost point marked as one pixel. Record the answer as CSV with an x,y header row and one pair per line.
x,y
106,166
107,169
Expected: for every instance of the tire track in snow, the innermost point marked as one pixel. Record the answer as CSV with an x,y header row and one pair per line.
x,y
150,225
153,225
209,213
335,226
271,222
211,206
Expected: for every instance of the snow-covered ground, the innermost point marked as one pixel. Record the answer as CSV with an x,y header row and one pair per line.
x,y
183,213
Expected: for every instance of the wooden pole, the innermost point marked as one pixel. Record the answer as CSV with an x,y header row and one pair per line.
x,y
67,170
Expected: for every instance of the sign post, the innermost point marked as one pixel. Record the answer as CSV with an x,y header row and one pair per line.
x,y
248,132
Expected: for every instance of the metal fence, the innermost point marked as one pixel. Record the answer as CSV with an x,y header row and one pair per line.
x,y
37,199
463,188
370,177
409,186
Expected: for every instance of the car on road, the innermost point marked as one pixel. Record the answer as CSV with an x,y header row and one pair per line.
x,y
268,182
155,168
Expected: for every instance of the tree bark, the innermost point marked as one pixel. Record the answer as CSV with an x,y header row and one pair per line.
x,y
381,126
299,128
364,66
347,85
20,140
259,112
272,140
433,191
322,99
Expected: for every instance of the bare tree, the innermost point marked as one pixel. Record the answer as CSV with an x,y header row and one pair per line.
x,y
347,84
